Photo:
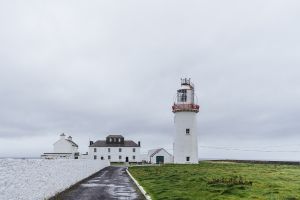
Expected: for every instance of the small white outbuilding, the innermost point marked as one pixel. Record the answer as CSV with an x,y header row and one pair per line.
x,y
159,156
63,148
64,145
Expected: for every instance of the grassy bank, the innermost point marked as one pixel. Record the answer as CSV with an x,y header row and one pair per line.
x,y
220,180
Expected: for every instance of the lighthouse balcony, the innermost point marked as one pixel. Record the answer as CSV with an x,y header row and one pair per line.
x,y
185,108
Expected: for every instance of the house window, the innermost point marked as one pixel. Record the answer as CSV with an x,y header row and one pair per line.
x,y
120,157
108,149
95,149
102,158
133,150
120,149
95,157
187,131
133,157
187,159
120,140
108,157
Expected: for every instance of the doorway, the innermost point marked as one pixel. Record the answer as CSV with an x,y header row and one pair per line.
x,y
159,160
127,160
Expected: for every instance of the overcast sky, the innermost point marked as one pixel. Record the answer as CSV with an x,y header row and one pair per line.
x,y
93,68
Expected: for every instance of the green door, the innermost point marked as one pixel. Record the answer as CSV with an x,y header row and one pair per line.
x,y
159,160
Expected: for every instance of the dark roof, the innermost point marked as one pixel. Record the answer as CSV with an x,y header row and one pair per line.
x,y
102,143
56,153
115,136
73,143
155,152
158,150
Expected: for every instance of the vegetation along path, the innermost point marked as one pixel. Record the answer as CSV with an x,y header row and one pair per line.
x,y
110,183
220,181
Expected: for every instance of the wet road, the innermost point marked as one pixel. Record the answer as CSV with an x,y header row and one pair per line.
x,y
109,183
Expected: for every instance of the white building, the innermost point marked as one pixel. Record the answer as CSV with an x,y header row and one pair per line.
x,y
159,156
185,110
115,149
63,148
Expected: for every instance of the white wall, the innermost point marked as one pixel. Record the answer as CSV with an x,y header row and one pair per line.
x,y
144,157
37,179
114,153
63,146
185,145
57,156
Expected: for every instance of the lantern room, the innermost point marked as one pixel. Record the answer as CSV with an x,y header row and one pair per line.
x,y
185,100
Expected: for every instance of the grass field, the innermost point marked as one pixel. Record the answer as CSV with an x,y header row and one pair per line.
x,y
220,181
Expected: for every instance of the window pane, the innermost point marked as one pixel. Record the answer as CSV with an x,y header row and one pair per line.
x,y
187,131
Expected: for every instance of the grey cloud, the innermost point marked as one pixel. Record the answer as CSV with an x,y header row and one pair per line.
x,y
90,68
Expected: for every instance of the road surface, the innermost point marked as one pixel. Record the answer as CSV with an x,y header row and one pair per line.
x,y
110,183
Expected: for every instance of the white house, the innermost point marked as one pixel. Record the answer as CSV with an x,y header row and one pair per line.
x,y
159,156
63,148
115,149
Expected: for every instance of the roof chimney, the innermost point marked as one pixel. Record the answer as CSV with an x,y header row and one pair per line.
x,y
70,138
139,143
91,142
62,136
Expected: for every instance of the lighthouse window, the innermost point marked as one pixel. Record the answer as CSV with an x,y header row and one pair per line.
x,y
181,95
95,150
183,98
187,131
108,149
120,150
187,159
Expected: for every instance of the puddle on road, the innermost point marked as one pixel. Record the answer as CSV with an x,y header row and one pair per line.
x,y
93,181
90,185
101,185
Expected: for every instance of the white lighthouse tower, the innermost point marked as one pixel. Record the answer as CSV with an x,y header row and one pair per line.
x,y
185,110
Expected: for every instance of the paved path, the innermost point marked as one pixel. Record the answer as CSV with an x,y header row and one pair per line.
x,y
109,183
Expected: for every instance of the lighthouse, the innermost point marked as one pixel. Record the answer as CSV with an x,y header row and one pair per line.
x,y
185,111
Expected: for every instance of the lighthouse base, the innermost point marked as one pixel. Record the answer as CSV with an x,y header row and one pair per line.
x,y
186,140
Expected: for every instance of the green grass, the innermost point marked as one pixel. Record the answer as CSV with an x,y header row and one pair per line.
x,y
220,181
